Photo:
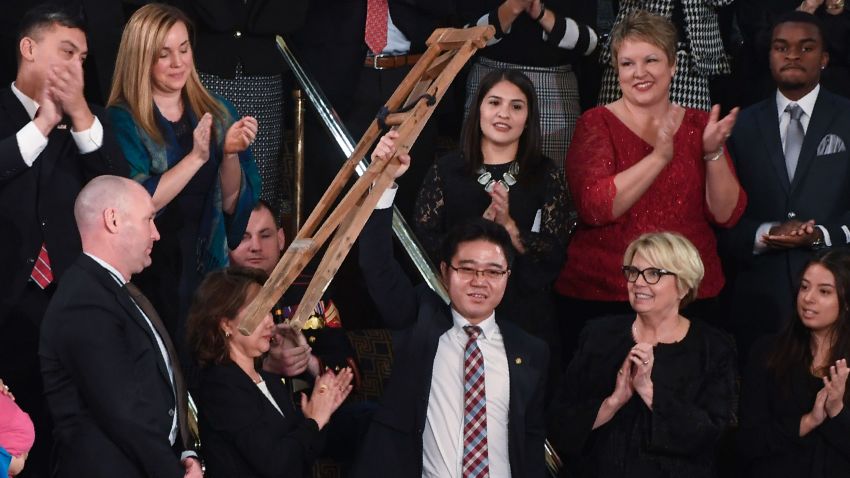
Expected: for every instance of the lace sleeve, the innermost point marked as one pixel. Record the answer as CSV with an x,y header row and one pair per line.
x,y
429,220
554,219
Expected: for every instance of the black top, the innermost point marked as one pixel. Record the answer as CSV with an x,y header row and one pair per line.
x,y
451,195
694,401
525,43
769,436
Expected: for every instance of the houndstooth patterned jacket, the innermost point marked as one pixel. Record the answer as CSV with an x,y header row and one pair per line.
x,y
707,54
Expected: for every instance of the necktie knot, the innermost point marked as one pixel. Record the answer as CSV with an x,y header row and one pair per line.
x,y
795,111
473,331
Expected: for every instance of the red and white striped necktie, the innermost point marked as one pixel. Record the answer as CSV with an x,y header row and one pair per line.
x,y
41,273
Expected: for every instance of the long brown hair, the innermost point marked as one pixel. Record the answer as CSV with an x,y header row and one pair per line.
x,y
220,296
141,42
794,345
529,156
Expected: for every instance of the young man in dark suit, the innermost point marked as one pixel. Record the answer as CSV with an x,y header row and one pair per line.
x,y
427,424
111,377
51,143
791,155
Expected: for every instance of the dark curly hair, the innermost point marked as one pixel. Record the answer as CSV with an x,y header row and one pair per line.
x,y
220,295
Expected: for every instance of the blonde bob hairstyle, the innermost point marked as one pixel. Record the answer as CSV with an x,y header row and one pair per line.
x,y
673,252
141,42
646,27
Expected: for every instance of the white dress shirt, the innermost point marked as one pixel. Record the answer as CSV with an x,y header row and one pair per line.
x,y
442,451
31,142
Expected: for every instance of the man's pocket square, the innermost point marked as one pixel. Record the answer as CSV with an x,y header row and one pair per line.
x,y
831,143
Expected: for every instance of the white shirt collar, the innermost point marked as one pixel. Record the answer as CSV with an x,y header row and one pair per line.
x,y
29,104
108,267
488,325
807,103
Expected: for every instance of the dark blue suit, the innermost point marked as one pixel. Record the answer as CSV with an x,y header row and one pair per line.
x,y
393,444
763,286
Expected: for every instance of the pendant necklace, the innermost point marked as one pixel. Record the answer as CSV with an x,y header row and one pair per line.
x,y
485,178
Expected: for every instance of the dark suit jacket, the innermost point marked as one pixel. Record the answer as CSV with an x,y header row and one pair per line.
x,y
244,435
764,284
393,444
37,203
105,381
331,47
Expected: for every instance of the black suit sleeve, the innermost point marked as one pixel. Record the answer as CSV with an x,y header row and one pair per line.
x,y
535,433
235,408
738,241
388,285
94,349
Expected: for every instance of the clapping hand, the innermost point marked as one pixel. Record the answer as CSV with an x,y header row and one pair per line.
x,y
791,234
667,127
834,386
642,359
240,135
4,390
201,139
329,391
623,389
717,130
499,209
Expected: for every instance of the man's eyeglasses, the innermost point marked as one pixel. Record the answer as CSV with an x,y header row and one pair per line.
x,y
469,273
651,274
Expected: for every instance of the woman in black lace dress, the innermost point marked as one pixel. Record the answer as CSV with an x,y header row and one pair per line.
x,y
500,174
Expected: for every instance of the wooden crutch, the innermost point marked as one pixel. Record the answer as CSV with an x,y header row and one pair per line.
x,y
407,110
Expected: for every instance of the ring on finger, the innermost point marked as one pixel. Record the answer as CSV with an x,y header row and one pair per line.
x,y
323,388
646,362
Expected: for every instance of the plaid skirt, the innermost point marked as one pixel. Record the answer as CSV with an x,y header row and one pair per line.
x,y
262,98
688,88
557,96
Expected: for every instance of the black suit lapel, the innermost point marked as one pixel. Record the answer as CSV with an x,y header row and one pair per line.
x,y
822,117
17,113
523,383
768,120
123,298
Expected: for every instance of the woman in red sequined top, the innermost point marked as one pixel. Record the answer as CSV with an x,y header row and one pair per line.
x,y
643,164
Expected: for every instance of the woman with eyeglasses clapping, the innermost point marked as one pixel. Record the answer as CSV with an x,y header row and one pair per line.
x,y
648,394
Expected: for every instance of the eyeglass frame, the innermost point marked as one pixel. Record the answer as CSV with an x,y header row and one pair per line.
x,y
464,271
642,273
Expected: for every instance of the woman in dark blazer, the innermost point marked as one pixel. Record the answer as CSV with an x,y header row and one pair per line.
x,y
794,421
248,423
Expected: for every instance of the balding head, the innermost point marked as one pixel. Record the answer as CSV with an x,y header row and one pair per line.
x,y
115,218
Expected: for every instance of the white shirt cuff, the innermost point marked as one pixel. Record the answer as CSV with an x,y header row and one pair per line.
x,y
90,139
827,241
188,454
759,246
387,197
31,142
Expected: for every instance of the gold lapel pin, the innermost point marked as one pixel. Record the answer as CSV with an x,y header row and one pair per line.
x,y
518,360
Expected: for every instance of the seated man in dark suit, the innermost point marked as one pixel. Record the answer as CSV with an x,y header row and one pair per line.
x,y
791,155
111,377
51,143
465,398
